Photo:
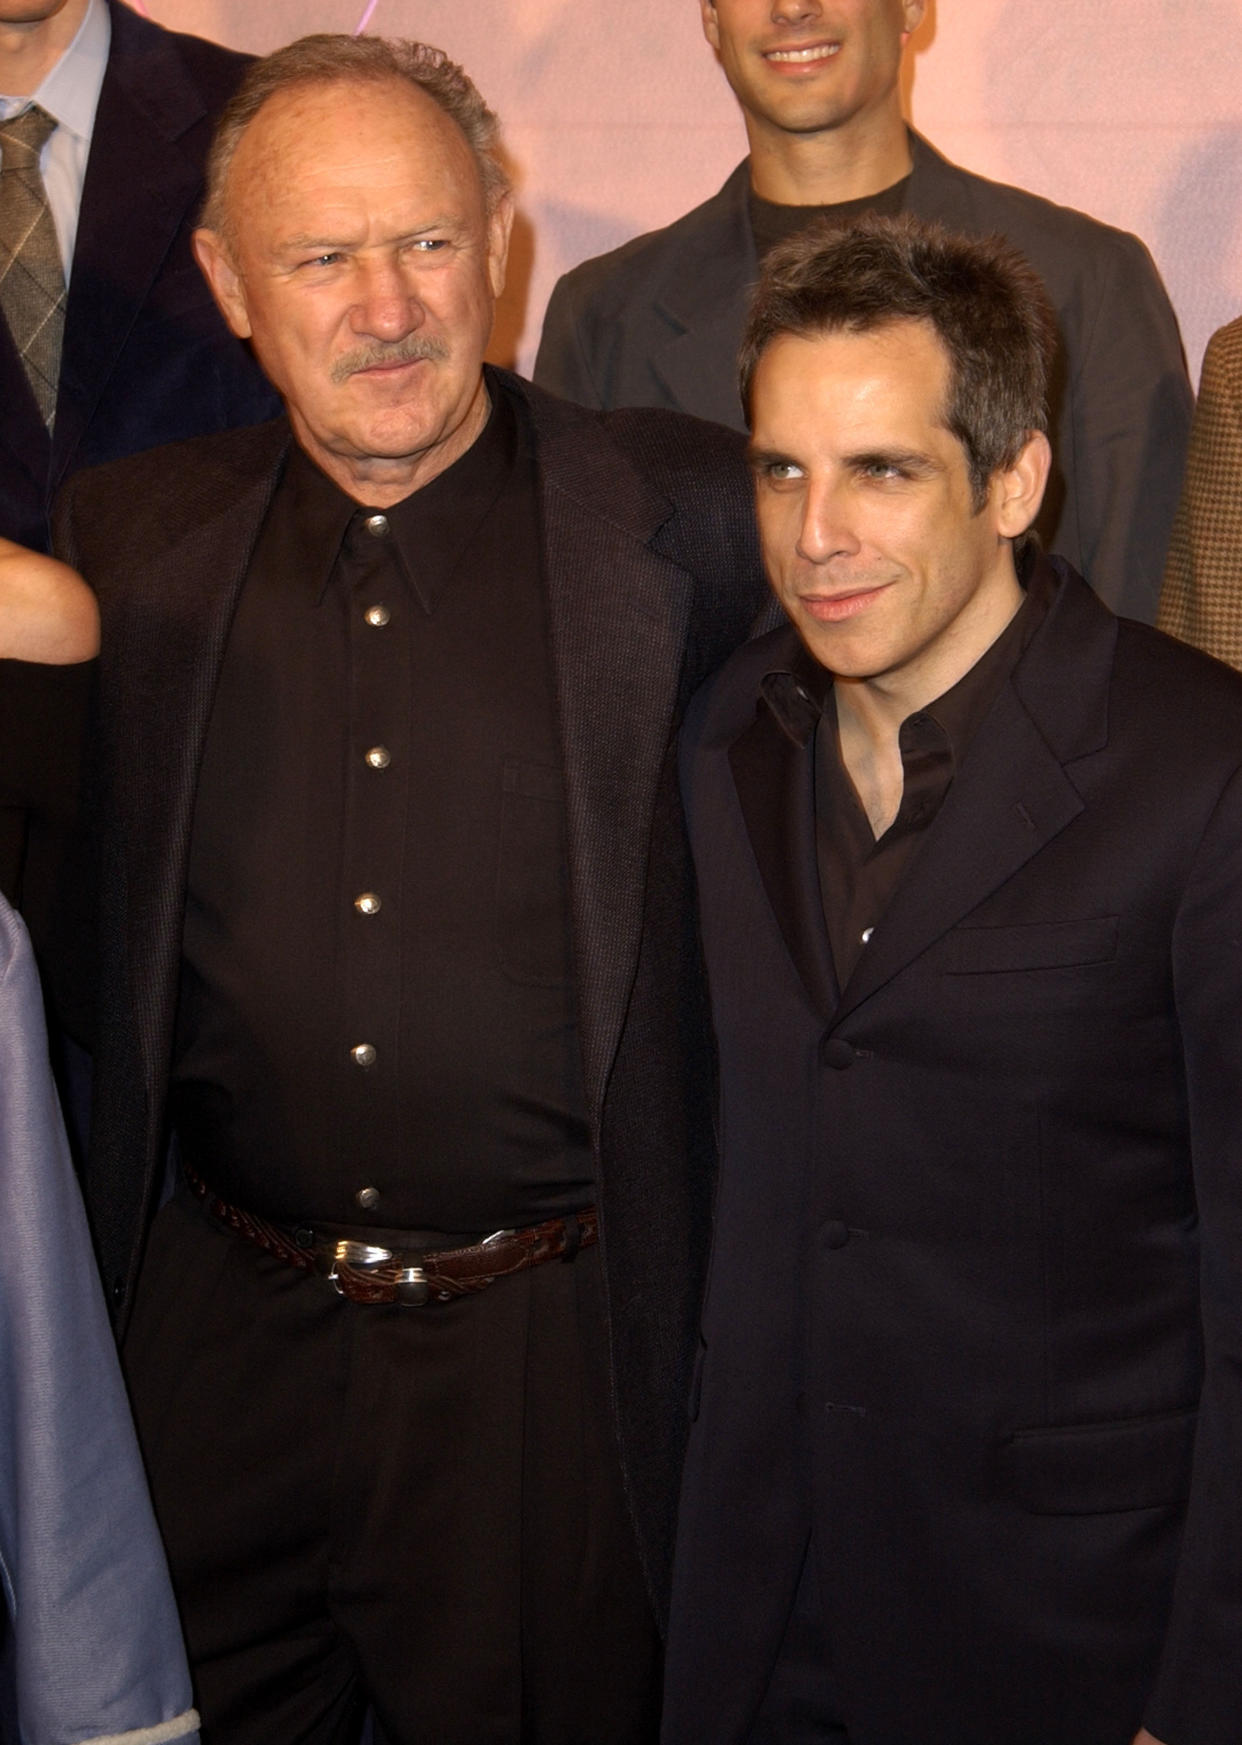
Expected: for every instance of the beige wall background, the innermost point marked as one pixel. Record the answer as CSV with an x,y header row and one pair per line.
x,y
617,118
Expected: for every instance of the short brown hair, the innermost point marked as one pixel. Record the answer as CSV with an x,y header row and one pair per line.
x,y
987,306
367,60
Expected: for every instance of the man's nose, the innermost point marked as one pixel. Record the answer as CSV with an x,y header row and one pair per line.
x,y
826,529
795,11
387,307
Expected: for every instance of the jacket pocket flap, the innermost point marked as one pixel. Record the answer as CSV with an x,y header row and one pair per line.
x,y
1042,945
1096,1469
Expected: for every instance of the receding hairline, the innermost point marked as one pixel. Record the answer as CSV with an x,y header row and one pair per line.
x,y
483,149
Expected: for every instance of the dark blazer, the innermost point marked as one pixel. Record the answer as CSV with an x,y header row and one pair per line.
x,y
146,356
975,1275
658,322
1202,598
652,576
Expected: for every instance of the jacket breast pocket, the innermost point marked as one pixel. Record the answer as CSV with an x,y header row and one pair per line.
x,y
1097,1469
1041,945
533,931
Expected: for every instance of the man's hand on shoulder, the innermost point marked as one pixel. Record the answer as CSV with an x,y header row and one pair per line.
x,y
47,612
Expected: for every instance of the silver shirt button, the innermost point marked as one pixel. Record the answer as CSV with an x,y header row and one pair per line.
x,y
376,524
363,1054
368,903
377,616
367,1199
379,757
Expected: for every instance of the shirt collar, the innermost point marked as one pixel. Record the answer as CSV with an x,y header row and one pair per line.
x,y
430,527
70,91
434,525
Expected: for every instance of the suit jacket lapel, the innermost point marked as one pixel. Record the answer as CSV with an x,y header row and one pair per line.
x,y
157,717
1013,793
775,781
619,614
135,197
704,306
936,188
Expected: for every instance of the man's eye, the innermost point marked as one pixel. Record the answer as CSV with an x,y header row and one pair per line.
x,y
779,472
428,244
327,259
882,469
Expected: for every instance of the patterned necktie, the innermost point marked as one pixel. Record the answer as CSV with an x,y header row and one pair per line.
x,y
32,279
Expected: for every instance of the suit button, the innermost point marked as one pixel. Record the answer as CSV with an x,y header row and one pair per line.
x,y
376,525
363,1054
837,1053
367,1199
835,1233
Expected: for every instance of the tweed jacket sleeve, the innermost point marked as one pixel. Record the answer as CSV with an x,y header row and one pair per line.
x,y
1202,598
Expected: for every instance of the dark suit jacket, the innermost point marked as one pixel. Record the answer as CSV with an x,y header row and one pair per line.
x,y
1202,598
978,1239
146,357
652,576
658,322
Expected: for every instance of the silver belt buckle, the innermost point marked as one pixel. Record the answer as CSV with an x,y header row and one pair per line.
x,y
409,1287
362,1255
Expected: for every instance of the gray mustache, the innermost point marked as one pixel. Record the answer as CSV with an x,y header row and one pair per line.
x,y
388,352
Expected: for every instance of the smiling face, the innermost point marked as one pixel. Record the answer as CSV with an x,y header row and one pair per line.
x,y
808,66
361,261
866,513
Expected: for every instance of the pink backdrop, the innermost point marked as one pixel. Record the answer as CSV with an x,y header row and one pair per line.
x,y
617,118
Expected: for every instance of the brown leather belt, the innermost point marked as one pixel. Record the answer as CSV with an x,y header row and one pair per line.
x,y
371,1272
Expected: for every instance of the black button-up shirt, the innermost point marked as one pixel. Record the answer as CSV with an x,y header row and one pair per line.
x,y
858,873
377,1020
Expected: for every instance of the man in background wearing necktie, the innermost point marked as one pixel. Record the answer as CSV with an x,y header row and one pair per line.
x,y
109,341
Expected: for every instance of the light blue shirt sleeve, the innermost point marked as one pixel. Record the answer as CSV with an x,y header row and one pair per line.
x,y
96,1652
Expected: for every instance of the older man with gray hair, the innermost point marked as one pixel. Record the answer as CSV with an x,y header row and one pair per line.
x,y
397,943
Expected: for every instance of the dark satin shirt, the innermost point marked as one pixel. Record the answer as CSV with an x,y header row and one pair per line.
x,y
858,873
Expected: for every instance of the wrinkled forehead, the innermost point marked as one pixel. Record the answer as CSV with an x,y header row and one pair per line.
x,y
322,140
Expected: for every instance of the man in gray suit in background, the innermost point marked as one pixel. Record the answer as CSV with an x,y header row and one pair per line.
x,y
658,321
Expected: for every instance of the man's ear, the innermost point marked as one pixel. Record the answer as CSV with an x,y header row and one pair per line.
x,y
711,29
499,229
911,17
216,261
1018,490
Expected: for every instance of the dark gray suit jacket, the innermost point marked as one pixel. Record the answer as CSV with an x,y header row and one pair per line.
x,y
658,323
146,356
974,1315
652,576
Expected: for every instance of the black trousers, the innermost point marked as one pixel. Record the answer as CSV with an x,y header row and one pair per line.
x,y
416,1508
